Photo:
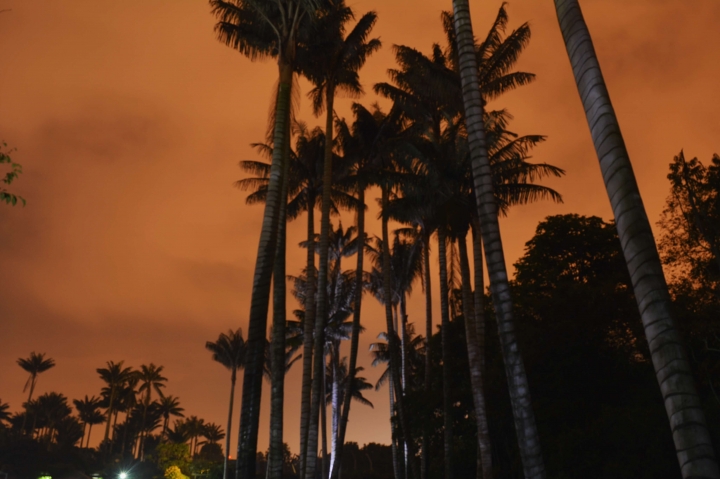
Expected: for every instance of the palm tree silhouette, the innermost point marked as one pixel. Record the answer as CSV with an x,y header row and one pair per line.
x,y
332,61
89,412
115,376
4,414
260,29
35,365
169,406
230,351
150,379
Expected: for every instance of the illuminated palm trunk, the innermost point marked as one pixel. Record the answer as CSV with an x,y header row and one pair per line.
x,y
444,332
525,426
694,448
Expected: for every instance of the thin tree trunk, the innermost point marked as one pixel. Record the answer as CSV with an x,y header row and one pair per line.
x,y
484,445
322,303
404,356
484,464
355,337
308,331
397,471
694,448
445,331
525,427
424,464
233,378
109,413
252,379
88,436
393,346
323,423
277,351
141,446
335,402
32,388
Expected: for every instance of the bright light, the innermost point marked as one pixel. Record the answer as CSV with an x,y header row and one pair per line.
x,y
123,475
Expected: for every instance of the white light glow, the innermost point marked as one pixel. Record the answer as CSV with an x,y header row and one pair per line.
x,y
123,475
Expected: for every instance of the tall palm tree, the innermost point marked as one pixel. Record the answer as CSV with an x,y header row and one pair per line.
x,y
467,60
34,365
230,351
694,448
334,59
115,376
89,413
169,406
151,379
260,29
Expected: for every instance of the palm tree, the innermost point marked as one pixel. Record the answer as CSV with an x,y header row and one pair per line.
x,y
213,433
230,351
260,29
332,65
115,376
89,412
692,440
4,414
169,406
194,427
34,365
467,61
151,378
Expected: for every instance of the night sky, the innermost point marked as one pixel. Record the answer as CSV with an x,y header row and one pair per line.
x,y
129,119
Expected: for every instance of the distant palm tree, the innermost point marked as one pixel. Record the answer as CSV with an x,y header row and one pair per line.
x,y
194,427
169,406
4,414
229,350
150,379
213,433
115,376
89,412
52,408
34,365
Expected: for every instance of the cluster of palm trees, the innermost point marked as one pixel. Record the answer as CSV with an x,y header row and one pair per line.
x,y
132,405
446,167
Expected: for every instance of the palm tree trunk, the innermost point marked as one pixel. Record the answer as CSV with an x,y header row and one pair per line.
x,y
694,448
484,445
277,387
335,401
252,379
322,303
445,317
233,377
109,412
88,436
393,347
141,448
525,427
308,330
397,470
355,337
424,461
323,423
484,464
404,362
32,388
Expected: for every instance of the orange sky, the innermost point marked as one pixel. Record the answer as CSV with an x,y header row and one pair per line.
x,y
129,119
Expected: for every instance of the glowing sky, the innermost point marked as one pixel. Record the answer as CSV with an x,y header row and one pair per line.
x,y
129,119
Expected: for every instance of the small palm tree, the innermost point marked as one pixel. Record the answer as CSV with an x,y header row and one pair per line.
x,y
150,379
169,406
115,376
213,433
229,350
4,414
89,412
35,364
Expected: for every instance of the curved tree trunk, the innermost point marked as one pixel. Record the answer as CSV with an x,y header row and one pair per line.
x,y
252,378
393,346
229,423
484,460
428,334
355,338
277,347
525,427
484,444
308,331
317,397
445,317
687,419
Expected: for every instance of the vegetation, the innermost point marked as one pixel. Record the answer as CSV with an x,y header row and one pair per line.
x,y
551,373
